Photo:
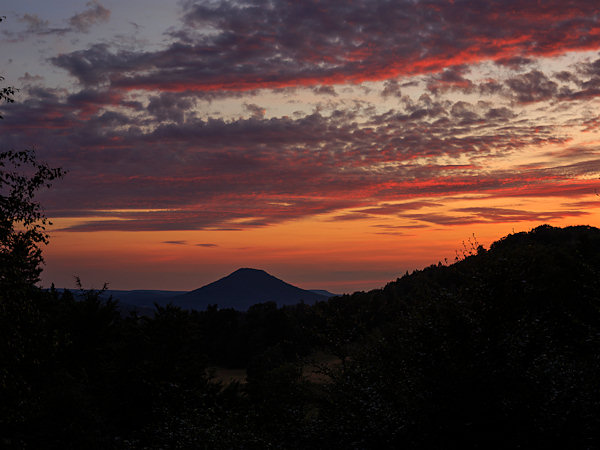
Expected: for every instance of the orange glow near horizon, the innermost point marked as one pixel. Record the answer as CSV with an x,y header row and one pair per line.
x,y
313,253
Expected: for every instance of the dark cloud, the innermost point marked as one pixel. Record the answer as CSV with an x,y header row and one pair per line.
x,y
182,242
255,111
388,209
578,83
399,227
393,233
450,79
169,106
477,215
325,90
590,82
500,114
445,219
350,216
571,153
490,87
586,204
515,215
391,88
253,44
532,87
97,64
515,62
566,76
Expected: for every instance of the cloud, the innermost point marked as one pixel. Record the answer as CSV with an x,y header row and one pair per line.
x,y
510,215
385,209
96,13
182,242
255,111
149,163
532,86
587,204
397,230
515,62
81,23
29,79
251,45
391,88
169,106
177,138
325,90
478,215
450,79
35,24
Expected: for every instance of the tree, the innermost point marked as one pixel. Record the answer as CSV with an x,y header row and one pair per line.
x,y
22,222
6,93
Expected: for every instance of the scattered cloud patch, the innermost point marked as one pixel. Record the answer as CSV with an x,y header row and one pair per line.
x,y
95,13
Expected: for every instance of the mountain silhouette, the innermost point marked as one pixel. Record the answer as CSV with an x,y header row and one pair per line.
x,y
244,288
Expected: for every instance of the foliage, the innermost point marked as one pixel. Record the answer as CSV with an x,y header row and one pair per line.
x,y
500,349
22,222
7,92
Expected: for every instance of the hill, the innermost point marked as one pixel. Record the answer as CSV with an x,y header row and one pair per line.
x,y
239,290
498,350
244,288
141,297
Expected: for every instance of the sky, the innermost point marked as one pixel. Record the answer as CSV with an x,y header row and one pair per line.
x,y
334,144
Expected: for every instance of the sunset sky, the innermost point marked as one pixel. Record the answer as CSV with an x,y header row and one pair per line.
x,y
334,144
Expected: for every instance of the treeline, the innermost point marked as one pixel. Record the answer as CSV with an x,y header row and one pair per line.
x,y
499,350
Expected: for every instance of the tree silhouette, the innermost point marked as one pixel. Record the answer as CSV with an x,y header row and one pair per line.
x,y
22,222
6,93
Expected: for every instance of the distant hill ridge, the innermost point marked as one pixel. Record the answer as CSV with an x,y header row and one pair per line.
x,y
238,290
244,288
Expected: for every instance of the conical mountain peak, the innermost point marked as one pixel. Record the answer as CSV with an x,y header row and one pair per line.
x,y
244,288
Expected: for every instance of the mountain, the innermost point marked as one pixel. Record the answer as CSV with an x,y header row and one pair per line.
x,y
244,288
142,297
323,292
239,290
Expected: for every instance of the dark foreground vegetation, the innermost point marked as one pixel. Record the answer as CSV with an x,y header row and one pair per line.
x,y
498,350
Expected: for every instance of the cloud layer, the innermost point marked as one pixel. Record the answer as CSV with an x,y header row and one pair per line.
x,y
269,44
410,103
